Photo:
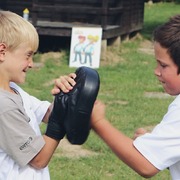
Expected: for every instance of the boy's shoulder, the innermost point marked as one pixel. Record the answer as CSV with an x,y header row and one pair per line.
x,y
9,101
176,101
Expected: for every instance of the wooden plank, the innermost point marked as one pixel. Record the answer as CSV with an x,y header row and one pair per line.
x,y
115,10
95,3
67,9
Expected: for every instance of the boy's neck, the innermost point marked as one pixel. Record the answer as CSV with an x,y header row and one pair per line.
x,y
9,89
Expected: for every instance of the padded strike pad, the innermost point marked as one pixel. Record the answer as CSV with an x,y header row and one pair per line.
x,y
80,103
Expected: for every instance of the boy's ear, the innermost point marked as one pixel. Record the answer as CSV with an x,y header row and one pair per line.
x,y
3,49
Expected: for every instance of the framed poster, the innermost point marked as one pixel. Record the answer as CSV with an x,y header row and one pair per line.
x,y
85,47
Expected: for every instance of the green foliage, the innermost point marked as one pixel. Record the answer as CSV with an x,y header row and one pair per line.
x,y
123,88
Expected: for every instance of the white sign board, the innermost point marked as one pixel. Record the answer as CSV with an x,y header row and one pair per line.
x,y
85,47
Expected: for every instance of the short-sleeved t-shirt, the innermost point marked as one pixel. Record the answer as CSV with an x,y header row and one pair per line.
x,y
162,146
20,136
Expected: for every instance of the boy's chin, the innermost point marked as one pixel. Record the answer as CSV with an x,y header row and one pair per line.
x,y
22,81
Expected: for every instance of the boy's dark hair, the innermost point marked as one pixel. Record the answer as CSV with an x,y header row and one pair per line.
x,y
168,35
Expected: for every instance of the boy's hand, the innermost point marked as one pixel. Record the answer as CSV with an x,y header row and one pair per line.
x,y
64,83
139,132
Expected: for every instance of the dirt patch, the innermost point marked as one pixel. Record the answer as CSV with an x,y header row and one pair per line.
x,y
38,65
120,102
56,56
147,47
159,95
111,57
73,151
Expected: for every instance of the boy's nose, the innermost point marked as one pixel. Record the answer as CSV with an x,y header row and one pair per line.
x,y
157,72
31,63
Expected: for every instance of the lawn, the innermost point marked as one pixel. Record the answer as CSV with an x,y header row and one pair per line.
x,y
132,95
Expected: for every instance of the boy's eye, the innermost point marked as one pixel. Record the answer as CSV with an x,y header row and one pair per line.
x,y
29,55
163,65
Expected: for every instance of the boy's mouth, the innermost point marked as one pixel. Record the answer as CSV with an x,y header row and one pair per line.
x,y
25,70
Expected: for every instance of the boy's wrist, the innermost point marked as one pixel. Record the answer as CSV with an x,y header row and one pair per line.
x,y
96,123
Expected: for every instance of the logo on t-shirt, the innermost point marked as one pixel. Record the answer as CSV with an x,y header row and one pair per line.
x,y
26,143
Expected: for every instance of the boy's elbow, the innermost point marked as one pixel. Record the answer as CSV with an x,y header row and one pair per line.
x,y
38,164
147,173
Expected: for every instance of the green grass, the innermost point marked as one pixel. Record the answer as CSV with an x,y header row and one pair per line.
x,y
156,14
122,90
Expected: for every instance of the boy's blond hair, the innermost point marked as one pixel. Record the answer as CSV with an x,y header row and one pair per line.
x,y
14,30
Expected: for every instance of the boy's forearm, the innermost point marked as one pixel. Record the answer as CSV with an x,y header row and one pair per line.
x,y
123,147
42,159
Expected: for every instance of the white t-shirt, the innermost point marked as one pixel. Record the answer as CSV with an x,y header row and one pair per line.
x,y
20,138
162,146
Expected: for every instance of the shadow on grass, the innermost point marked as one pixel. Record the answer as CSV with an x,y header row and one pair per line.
x,y
147,31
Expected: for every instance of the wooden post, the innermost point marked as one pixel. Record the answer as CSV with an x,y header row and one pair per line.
x,y
103,48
